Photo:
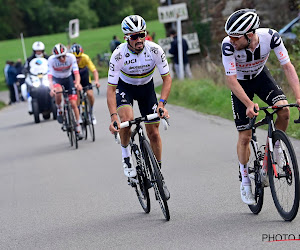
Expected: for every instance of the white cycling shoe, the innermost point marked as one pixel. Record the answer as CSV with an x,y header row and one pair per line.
x,y
129,171
246,195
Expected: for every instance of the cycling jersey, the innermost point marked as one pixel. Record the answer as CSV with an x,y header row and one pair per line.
x,y
247,64
136,69
85,61
62,69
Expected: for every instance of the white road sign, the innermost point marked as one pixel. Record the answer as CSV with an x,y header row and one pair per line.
x,y
170,13
192,41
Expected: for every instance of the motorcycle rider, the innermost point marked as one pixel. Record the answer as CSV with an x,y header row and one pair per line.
x,y
38,51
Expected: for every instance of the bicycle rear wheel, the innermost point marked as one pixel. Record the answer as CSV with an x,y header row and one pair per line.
x,y
89,121
254,175
284,177
156,179
141,177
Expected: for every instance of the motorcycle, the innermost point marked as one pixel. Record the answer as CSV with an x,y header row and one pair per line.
x,y
36,90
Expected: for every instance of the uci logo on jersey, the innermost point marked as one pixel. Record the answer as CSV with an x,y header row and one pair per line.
x,y
130,61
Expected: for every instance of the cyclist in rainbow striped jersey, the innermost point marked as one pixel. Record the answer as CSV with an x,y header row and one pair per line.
x,y
130,78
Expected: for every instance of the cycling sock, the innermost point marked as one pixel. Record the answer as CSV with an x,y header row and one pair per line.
x,y
125,151
59,107
244,174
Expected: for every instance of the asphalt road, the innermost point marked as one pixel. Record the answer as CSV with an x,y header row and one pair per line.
x,y
55,197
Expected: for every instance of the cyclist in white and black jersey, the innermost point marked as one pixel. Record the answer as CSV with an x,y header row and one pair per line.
x,y
130,78
60,67
244,53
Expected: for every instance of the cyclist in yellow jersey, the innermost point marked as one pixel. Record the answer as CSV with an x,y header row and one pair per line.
x,y
85,64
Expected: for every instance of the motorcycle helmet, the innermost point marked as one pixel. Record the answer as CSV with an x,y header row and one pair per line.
x,y
38,46
59,50
77,50
133,24
242,22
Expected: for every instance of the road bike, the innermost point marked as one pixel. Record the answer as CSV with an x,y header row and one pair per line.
x,y
277,158
86,114
148,170
69,123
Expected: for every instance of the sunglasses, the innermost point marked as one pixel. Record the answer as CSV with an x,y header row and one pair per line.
x,y
60,57
235,38
136,36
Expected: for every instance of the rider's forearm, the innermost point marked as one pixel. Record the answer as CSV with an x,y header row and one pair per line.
x,y
96,76
292,77
166,87
77,79
238,91
111,101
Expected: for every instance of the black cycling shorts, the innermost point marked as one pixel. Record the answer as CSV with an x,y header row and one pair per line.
x,y
67,83
265,87
143,94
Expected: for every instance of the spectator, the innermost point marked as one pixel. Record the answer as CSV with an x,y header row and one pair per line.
x,y
114,43
5,71
174,51
19,69
12,78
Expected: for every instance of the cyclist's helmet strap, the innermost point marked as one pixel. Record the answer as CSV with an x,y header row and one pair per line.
x,y
59,50
242,22
77,50
133,24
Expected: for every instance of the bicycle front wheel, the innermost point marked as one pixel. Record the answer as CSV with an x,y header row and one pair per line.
x,y
156,179
68,125
284,176
89,122
254,175
73,126
141,178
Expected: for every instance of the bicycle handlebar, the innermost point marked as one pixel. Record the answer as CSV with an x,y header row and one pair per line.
x,y
138,120
276,107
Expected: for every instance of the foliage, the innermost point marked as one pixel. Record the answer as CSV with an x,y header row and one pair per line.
x,y
41,17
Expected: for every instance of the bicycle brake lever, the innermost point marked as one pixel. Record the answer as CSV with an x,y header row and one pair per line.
x,y
116,134
298,120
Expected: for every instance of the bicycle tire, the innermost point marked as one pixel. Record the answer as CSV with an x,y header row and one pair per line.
x,y
156,179
254,170
89,121
68,125
74,132
288,177
141,189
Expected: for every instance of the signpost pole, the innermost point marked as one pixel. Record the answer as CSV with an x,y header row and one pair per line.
x,y
180,50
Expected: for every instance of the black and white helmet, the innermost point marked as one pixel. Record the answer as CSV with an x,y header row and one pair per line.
x,y
242,22
133,24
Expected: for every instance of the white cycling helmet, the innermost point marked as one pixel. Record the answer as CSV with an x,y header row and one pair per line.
x,y
38,46
133,24
242,22
59,50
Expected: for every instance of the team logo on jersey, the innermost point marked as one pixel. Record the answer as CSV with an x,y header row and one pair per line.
x,y
130,61
123,95
154,108
118,57
127,55
111,66
227,49
163,57
154,50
